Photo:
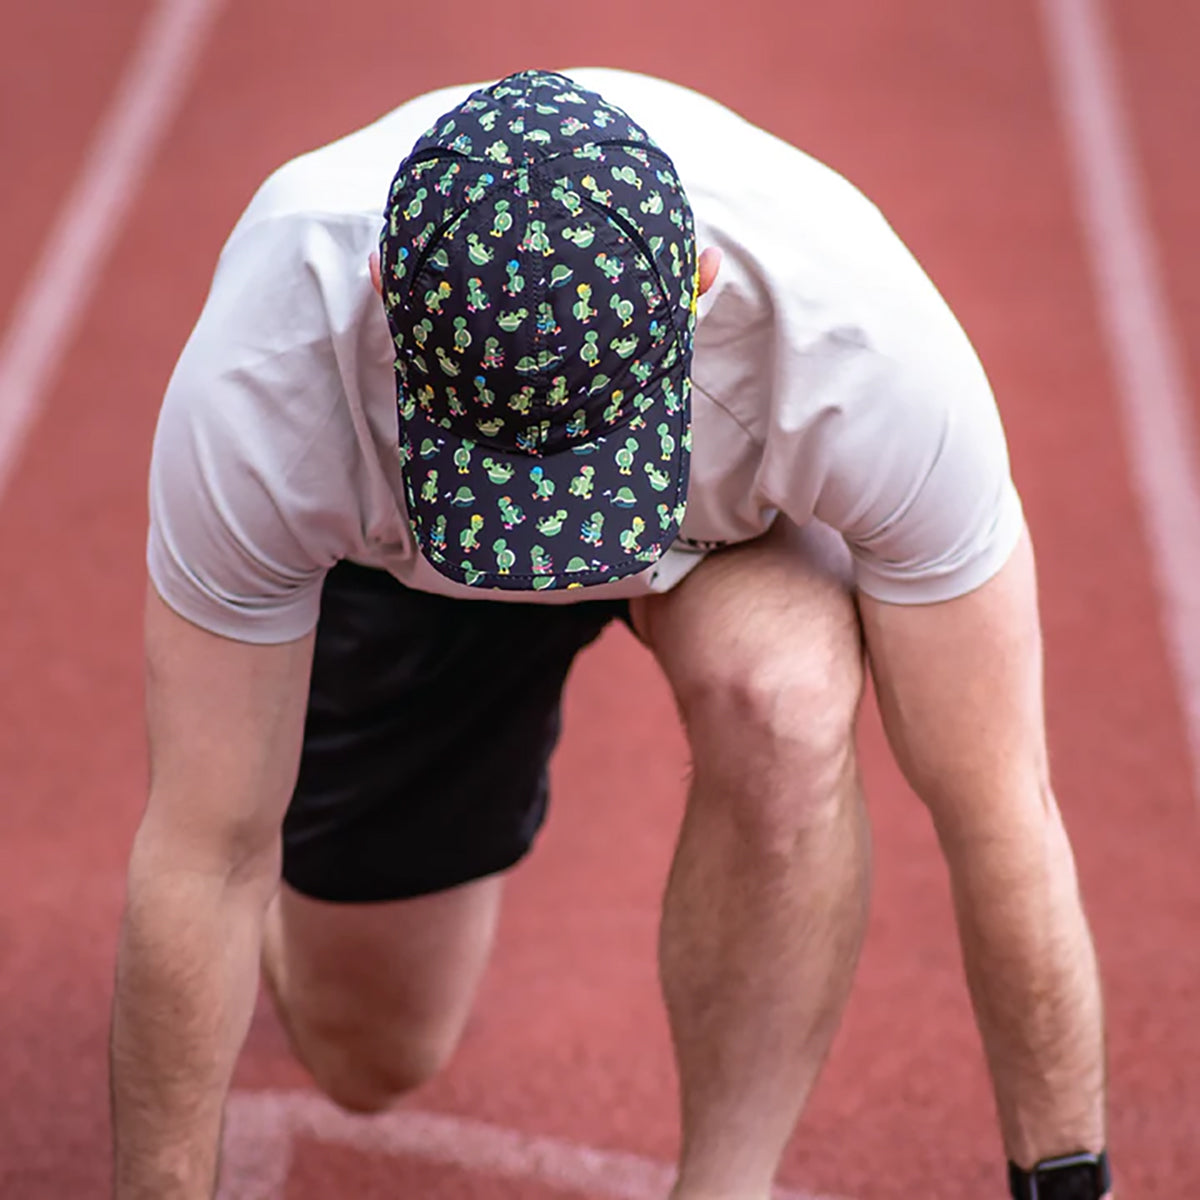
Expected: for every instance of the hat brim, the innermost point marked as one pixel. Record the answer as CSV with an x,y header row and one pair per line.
x,y
607,508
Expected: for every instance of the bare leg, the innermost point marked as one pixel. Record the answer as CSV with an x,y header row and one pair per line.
x,y
766,905
374,997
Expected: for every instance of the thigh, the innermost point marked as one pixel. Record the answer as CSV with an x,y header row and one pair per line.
x,y
781,608
762,647
430,724
397,976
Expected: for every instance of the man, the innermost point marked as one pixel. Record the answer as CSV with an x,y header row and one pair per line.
x,y
654,383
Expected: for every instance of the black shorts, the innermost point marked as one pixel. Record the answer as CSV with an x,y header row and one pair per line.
x,y
430,726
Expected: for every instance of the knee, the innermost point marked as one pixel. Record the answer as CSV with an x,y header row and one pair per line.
x,y
778,709
776,705
367,1070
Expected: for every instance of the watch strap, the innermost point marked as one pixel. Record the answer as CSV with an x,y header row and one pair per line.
x,y
1048,1177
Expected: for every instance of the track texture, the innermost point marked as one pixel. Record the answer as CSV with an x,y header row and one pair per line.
x,y
944,115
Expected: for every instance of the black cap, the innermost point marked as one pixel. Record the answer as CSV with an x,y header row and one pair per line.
x,y
539,275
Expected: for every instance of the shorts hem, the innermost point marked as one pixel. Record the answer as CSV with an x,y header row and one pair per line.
x,y
381,891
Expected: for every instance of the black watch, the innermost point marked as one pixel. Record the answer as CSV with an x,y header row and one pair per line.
x,y
1081,1176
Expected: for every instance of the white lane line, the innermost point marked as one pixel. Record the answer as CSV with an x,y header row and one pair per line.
x,y
261,1128
1160,427
63,280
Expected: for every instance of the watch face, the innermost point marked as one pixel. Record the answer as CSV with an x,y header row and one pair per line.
x,y
1076,1182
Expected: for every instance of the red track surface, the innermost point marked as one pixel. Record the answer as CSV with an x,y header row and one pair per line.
x,y
943,114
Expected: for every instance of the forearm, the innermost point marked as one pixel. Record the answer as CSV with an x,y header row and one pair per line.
x,y
187,974
1034,984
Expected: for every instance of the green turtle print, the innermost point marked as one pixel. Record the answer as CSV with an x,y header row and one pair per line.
x,y
539,274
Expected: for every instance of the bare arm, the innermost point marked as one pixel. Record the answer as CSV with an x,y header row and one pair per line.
x,y
960,690
225,720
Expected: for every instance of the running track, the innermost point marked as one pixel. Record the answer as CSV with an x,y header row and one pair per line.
x,y
957,118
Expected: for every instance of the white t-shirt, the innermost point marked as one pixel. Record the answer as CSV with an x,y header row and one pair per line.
x,y
831,383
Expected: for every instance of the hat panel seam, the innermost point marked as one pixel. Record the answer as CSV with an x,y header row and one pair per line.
x,y
572,152
430,248
611,237
539,288
530,204
433,150
628,228
537,154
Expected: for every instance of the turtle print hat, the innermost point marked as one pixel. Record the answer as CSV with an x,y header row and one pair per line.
x,y
539,276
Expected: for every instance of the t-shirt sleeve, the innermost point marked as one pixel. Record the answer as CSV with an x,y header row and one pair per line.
x,y
249,499
902,449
